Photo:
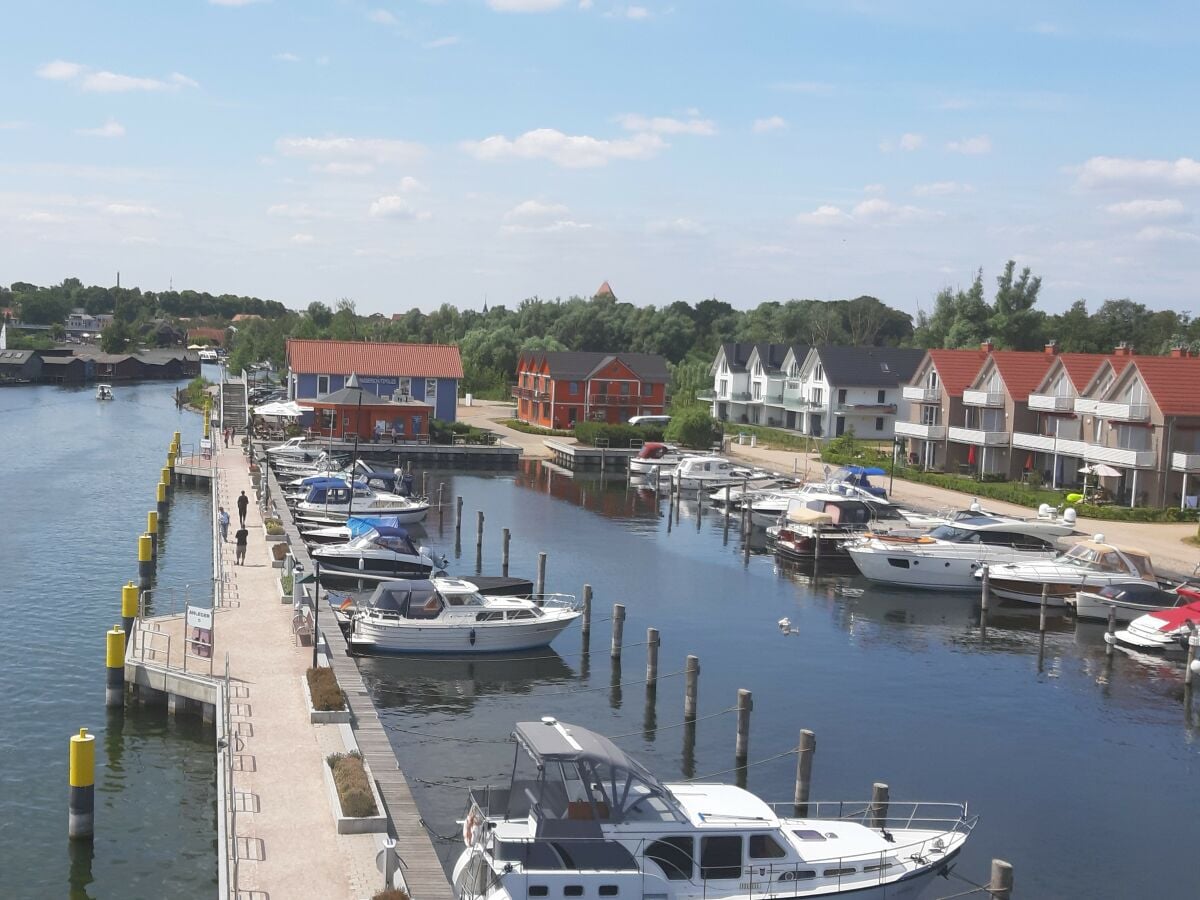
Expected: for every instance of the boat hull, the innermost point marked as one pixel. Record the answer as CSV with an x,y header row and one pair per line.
x,y
1093,606
456,639
333,564
409,515
924,571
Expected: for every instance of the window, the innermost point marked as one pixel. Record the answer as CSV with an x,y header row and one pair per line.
x,y
817,396
601,387
573,890
842,395
839,427
322,385
720,857
819,373
757,391
879,423
572,414
624,388
724,389
404,387
763,846
609,890
674,856
573,387
882,397
431,391
538,890
931,415
647,390
806,834
416,425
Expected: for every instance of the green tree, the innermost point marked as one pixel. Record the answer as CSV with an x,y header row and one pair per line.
x,y
116,337
693,428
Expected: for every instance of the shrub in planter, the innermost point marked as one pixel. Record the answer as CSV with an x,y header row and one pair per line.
x,y
353,788
280,551
324,690
390,894
273,526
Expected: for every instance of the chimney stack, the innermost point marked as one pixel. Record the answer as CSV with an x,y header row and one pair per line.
x,y
1123,349
1179,352
1051,348
987,346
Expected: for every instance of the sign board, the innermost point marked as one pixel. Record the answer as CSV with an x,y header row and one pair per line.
x,y
200,631
205,447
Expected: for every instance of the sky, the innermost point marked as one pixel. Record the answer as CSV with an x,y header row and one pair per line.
x,y
414,152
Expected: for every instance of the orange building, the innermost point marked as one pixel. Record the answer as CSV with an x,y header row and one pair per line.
x,y
558,389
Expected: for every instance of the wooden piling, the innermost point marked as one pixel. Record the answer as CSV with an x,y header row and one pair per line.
x,y
505,537
804,762
745,703
879,805
691,689
1045,603
441,504
651,657
984,588
586,625
479,532
1109,640
1193,640
458,518
1001,883
425,484
540,587
728,512
618,630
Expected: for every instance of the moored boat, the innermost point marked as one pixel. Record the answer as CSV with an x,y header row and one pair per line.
x,y
383,551
700,472
819,525
331,501
1088,564
1161,631
655,459
1129,601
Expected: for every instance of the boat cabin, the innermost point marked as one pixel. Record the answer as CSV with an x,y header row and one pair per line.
x,y
1097,556
995,533
385,537
849,515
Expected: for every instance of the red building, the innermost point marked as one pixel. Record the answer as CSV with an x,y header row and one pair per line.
x,y
558,389
352,411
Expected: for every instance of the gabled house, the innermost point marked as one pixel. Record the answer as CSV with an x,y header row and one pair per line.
x,y
20,366
855,389
935,395
556,389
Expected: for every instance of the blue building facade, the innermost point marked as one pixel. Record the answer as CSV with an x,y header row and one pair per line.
x,y
443,391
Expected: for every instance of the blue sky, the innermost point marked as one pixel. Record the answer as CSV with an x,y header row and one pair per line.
x,y
415,152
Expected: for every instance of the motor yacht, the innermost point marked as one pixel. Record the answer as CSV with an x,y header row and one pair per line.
x,y
705,472
104,392
1089,564
945,559
294,448
1129,601
1161,631
450,615
820,524
581,818
655,459
384,552
331,501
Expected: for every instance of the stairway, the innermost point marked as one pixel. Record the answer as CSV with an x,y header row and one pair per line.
x,y
233,401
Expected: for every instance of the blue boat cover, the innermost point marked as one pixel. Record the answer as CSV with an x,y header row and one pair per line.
x,y
360,525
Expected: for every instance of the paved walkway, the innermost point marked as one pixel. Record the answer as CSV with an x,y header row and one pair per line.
x,y
1164,542
490,413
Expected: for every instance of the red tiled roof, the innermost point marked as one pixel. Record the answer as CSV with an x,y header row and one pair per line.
x,y
605,291
957,368
1022,370
344,357
1171,382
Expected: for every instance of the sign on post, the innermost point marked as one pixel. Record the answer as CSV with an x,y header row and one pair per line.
x,y
199,632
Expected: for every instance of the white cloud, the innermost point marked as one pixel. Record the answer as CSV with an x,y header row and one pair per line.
x,y
1149,210
535,209
110,129
972,146
873,189
557,226
410,185
1109,171
130,209
59,70
637,13
1162,234
771,123
183,80
824,215
302,238
665,125
585,4
524,6
382,17
393,206
682,226
348,155
566,150
448,41
872,211
942,188
44,218
286,57
908,142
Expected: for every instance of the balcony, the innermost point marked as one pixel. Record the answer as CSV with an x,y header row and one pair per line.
x,y
740,396
992,399
774,399
525,393
1048,444
1124,412
706,395
922,432
922,394
1186,462
1051,403
867,409
616,400
799,404
978,437
1118,456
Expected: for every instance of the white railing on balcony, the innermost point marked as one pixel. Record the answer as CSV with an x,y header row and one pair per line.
x,y
978,437
1118,456
1185,462
1128,412
1051,402
922,394
983,398
1048,444
923,432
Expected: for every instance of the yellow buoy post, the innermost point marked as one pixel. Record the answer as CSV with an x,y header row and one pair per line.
x,y
161,497
81,806
114,663
152,530
129,606
165,478
145,562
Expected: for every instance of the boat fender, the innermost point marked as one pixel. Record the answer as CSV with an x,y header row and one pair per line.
x,y
472,637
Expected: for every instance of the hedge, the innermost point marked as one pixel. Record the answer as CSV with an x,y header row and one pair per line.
x,y
518,425
618,436
323,687
447,432
354,790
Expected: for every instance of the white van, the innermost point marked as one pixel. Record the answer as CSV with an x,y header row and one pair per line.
x,y
649,420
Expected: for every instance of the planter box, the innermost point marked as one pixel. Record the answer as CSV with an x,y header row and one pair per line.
x,y
277,563
273,538
284,596
376,824
321,716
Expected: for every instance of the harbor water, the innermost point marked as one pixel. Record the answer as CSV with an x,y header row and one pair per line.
x,y
77,481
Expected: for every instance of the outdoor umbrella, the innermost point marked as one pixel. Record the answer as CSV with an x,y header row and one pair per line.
x,y
289,409
1100,470
971,456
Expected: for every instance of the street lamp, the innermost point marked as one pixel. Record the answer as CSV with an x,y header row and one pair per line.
x,y
352,382
892,474
310,579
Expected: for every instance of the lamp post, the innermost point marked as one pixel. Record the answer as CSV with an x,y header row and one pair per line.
x,y
892,475
352,382
316,605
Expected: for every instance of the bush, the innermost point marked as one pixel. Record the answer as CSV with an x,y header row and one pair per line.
x,y
196,391
618,436
694,428
280,550
285,582
323,687
390,894
273,526
353,786
518,425
446,432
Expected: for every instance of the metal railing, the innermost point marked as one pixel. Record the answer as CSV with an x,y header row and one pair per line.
x,y
227,744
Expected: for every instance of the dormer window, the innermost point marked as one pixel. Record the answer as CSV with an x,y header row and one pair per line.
x,y
819,373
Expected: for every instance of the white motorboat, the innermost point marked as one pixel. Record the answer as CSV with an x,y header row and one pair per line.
x,y
104,392
1162,631
395,482
294,448
332,501
581,818
656,459
1089,564
945,559
705,472
208,356
450,615
384,552
767,509
1129,601
819,525
324,463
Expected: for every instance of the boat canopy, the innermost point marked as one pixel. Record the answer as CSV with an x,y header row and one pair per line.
x,y
1110,558
802,515
360,525
652,450
864,470
414,599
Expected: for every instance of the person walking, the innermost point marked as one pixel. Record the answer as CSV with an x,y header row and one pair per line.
x,y
223,519
243,503
241,536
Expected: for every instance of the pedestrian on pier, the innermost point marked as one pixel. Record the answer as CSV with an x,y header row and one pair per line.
x,y
223,520
241,535
227,431
243,503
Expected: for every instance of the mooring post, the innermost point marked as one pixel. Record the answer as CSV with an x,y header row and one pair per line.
x,y
728,511
152,530
166,479
691,689
458,518
984,594
540,587
651,658
618,630
505,537
586,625
804,762
1193,643
425,484
114,664
1001,883
879,805
161,503
129,607
441,505
145,562
745,703
1109,640
479,532
81,802
1045,603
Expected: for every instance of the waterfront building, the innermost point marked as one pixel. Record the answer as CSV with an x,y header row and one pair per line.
x,y
426,373
168,364
556,389
80,323
212,335
64,369
935,394
354,411
20,365
746,375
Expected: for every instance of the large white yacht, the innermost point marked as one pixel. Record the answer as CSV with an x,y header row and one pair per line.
x,y
1088,564
580,818
946,558
331,501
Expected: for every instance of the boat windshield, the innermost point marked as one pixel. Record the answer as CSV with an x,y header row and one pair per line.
x,y
1098,559
955,535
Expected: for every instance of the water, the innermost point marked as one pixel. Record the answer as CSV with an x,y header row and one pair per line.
x,y
1068,765
77,481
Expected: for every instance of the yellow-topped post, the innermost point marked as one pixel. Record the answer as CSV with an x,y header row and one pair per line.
x,y
152,530
129,606
145,562
160,496
165,478
114,664
207,414
171,459
81,806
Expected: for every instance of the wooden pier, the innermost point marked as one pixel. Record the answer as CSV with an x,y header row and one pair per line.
x,y
577,456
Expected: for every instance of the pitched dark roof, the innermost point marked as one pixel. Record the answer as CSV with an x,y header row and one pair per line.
x,y
772,356
579,365
870,366
736,355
